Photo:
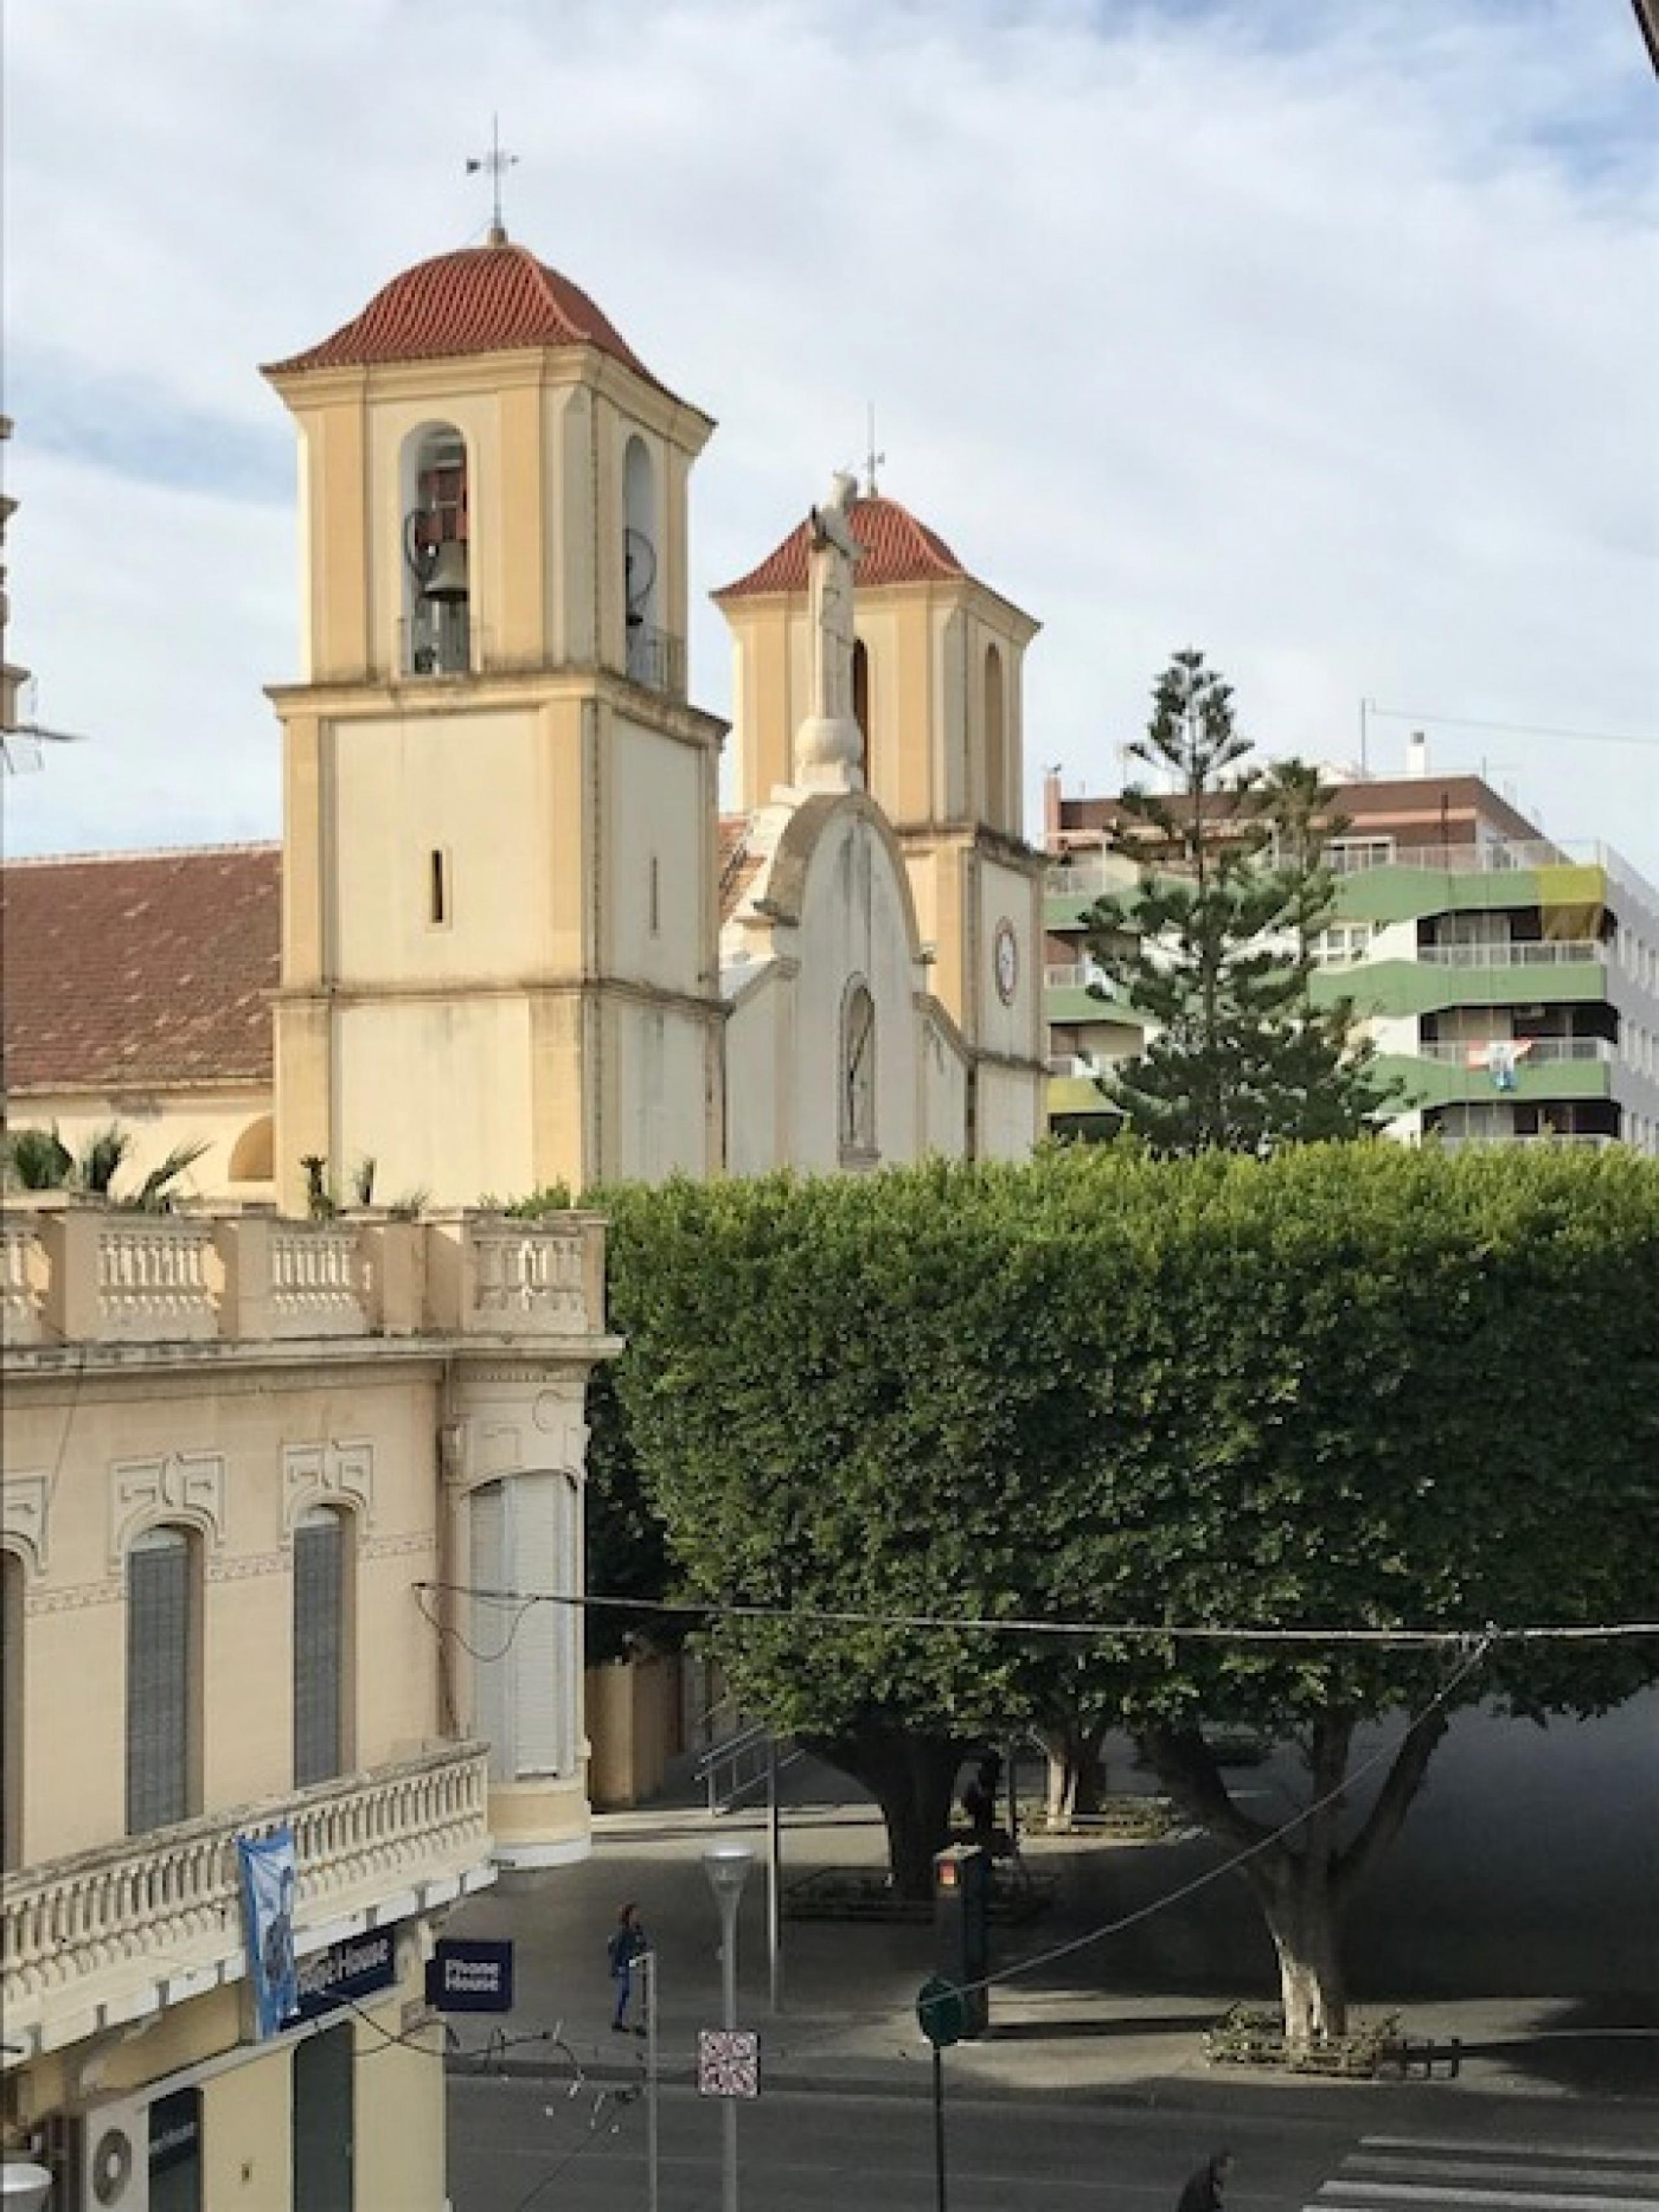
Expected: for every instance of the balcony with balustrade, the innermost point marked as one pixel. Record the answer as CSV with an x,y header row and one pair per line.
x,y
111,1935
79,1274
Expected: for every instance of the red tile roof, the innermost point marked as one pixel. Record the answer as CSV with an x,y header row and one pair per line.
x,y
486,299
739,866
895,549
140,970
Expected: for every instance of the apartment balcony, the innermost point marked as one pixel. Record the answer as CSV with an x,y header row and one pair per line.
x,y
111,1936
1565,952
78,1272
1555,1070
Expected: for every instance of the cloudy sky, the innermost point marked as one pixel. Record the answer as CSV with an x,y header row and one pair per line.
x,y
1318,333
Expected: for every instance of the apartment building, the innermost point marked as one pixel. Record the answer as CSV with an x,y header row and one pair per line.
x,y
1510,983
248,1460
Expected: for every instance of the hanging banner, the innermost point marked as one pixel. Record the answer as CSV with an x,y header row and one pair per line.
x,y
270,1880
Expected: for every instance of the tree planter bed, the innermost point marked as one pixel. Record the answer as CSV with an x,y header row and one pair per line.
x,y
856,1893
1250,2035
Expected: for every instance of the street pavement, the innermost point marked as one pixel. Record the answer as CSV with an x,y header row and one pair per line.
x,y
515,2148
1097,2053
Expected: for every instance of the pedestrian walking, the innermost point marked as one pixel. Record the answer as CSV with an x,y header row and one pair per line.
x,y
1203,2191
629,1941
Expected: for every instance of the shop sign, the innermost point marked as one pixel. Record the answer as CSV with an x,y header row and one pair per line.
x,y
353,1968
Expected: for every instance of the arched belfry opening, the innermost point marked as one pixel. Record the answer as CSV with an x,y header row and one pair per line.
x,y
437,554
996,740
641,552
861,706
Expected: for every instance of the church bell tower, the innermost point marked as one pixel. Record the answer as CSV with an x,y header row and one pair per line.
x,y
499,923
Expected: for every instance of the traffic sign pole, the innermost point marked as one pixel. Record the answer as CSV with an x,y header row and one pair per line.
x,y
939,2125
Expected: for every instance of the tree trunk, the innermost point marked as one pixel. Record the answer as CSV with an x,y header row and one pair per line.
x,y
1077,1774
1304,1888
910,1775
1305,1923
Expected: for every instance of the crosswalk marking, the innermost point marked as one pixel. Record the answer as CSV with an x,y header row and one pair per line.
x,y
1471,2169
1435,2192
1411,2173
1604,2154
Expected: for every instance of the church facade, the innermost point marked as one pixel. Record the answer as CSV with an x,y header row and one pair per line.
x,y
514,941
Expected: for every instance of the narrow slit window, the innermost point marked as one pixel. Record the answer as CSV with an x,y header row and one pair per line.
x,y
439,893
656,896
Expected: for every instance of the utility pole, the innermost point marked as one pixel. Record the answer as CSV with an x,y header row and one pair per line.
x,y
774,1880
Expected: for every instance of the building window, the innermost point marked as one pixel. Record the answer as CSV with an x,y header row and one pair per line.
x,y
858,1074
437,554
1341,944
322,2121
527,1535
437,888
861,704
162,1630
996,741
321,1632
11,1707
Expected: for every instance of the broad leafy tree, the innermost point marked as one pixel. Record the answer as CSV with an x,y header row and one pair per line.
x,y
1351,1387
1214,939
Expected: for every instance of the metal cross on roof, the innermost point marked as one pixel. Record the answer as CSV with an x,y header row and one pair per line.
x,y
497,162
872,460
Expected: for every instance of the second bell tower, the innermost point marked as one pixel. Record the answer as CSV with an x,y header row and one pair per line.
x,y
499,923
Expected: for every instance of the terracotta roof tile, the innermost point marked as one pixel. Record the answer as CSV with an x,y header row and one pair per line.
x,y
896,549
485,299
140,970
739,866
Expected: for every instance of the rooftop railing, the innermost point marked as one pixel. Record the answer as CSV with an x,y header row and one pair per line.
x,y
79,1272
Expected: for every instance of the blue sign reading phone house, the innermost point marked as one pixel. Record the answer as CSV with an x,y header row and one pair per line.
x,y
468,1975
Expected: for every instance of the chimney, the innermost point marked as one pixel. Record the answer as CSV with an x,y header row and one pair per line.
x,y
1051,813
1417,754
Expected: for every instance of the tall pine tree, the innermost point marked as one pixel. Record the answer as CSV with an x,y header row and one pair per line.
x,y
1215,942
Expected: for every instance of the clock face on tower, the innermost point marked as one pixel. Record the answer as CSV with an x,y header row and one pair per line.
x,y
1008,960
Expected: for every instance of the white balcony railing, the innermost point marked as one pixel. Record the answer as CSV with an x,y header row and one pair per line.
x,y
1071,1063
1548,953
316,1280
72,1273
1529,1051
1459,1142
103,1937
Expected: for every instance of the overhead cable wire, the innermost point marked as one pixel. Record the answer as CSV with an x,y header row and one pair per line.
x,y
1403,1637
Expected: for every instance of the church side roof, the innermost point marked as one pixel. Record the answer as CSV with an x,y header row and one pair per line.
x,y
140,970
894,548
484,299
739,866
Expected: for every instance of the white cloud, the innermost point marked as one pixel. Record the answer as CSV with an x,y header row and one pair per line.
x,y
1322,338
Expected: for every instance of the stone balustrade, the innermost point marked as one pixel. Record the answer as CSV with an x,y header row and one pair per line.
x,y
102,1933
78,1272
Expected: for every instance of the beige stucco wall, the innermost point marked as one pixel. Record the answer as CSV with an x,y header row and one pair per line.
x,y
92,1447
438,1091
159,1122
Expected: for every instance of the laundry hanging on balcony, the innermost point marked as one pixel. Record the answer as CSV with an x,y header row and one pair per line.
x,y
1499,1056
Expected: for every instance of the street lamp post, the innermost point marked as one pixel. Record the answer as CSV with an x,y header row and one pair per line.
x,y
644,1966
726,1866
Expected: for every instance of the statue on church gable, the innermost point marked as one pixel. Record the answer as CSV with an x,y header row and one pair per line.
x,y
828,746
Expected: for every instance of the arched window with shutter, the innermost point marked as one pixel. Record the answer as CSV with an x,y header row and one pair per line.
x,y
163,1679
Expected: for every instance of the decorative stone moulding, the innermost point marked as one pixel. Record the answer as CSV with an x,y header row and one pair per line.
x,y
327,1474
25,1504
184,1487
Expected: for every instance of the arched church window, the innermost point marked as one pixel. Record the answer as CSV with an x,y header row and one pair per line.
x,y
437,554
858,1075
861,704
642,562
996,741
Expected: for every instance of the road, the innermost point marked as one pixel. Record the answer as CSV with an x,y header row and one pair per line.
x,y
527,2145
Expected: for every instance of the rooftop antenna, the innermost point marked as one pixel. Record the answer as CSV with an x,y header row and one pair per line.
x,y
872,460
497,163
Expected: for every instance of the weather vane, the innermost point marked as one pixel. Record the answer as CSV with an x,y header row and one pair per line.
x,y
872,460
497,163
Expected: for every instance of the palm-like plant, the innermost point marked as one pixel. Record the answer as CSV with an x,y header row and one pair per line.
x,y
38,1159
